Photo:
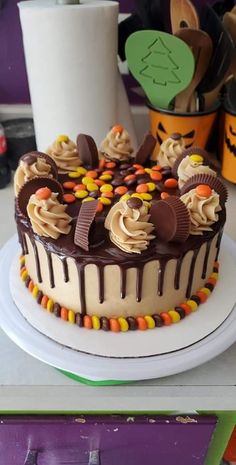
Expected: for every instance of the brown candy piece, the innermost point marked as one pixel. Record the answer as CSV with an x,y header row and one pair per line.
x,y
30,187
84,222
145,150
212,181
171,220
134,202
188,152
88,151
176,136
32,157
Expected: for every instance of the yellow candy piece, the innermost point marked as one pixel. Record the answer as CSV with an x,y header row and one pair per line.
x,y
81,194
205,290
81,170
50,304
91,186
147,170
87,199
87,180
146,196
74,174
123,324
105,177
150,321
147,204
139,196
62,138
125,197
71,316
151,186
192,304
104,201
24,275
174,316
96,322
22,260
214,275
35,291
106,188
196,158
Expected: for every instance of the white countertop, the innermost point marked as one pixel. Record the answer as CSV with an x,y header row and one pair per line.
x,y
27,384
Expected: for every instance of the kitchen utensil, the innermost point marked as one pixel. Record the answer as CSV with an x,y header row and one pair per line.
x,y
223,49
229,21
201,45
183,14
163,64
152,13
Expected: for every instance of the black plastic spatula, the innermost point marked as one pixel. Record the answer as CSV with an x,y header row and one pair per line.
x,y
223,49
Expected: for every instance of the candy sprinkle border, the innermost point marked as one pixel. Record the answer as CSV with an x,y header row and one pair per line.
x,y
121,324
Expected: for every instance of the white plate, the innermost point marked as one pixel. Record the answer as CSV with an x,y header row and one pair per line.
x,y
100,368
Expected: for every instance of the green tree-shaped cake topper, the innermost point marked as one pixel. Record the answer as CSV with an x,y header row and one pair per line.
x,y
163,64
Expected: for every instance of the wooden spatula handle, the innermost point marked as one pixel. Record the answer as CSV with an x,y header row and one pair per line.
x,y
183,14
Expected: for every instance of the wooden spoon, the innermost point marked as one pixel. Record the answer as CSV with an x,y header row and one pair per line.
x,y
201,45
183,14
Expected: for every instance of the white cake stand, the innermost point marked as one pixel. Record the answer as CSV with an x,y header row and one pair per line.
x,y
104,370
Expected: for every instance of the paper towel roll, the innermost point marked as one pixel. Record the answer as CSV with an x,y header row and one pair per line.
x,y
71,58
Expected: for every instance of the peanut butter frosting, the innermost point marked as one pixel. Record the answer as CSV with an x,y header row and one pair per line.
x,y
116,145
203,210
48,217
170,150
25,172
188,168
130,229
65,154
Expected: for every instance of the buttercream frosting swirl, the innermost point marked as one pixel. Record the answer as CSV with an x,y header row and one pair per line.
x,y
48,217
117,146
65,154
188,168
170,150
130,229
203,211
26,171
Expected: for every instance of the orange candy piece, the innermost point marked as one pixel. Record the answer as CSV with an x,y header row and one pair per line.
x,y
99,207
111,173
69,198
31,286
64,313
99,182
142,324
142,188
171,183
156,168
110,164
92,174
121,190
138,167
114,325
43,194
44,301
118,128
212,281
69,185
79,187
164,195
130,177
108,195
156,176
203,190
166,318
88,322
140,171
202,296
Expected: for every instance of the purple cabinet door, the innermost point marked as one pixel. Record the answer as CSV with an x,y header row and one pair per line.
x,y
105,440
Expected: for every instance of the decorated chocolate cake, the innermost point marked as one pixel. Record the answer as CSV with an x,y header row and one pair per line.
x,y
114,240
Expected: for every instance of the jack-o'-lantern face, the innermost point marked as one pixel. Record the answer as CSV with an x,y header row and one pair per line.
x,y
230,140
162,134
